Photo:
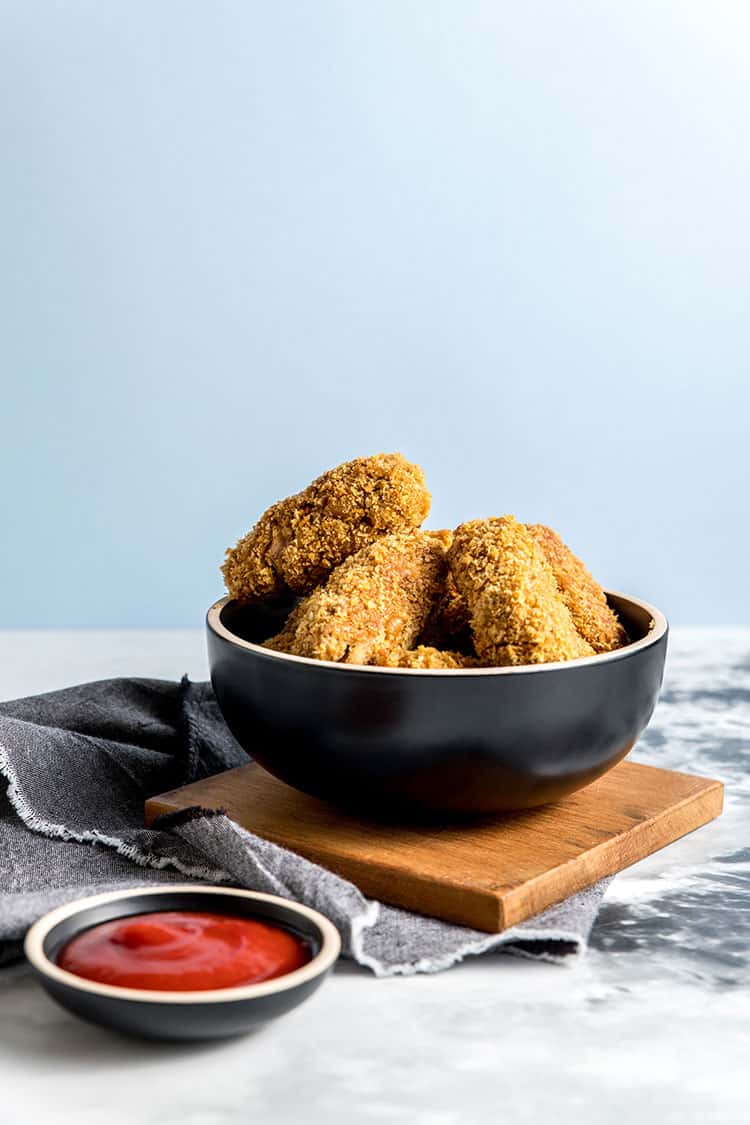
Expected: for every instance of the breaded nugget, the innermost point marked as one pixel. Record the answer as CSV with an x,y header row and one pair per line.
x,y
425,656
374,604
517,614
299,541
581,593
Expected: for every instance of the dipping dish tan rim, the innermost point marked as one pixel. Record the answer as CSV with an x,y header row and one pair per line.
x,y
658,628
327,955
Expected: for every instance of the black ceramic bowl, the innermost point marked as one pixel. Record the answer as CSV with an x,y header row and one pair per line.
x,y
152,1014
473,741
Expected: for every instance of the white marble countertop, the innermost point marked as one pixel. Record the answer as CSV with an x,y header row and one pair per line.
x,y
652,1025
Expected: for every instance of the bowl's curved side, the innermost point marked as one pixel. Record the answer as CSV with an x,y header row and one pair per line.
x,y
186,1022
459,743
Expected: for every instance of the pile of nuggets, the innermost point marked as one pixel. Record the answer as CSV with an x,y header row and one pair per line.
x,y
375,589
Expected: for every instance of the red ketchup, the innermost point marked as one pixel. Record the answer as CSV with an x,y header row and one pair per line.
x,y
183,951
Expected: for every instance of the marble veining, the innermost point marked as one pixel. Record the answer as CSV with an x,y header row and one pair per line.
x,y
652,1025
692,918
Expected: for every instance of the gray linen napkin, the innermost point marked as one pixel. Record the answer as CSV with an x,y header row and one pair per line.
x,y
78,765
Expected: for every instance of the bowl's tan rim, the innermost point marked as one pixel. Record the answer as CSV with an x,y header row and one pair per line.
x,y
326,956
658,628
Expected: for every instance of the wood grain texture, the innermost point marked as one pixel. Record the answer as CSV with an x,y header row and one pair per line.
x,y
489,875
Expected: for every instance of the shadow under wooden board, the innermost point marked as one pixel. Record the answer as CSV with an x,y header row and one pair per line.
x,y
489,875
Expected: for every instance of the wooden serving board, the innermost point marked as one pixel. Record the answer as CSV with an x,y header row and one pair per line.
x,y
489,875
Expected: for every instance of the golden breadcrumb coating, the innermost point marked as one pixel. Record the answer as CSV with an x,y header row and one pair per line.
x,y
425,656
374,604
299,541
581,593
517,613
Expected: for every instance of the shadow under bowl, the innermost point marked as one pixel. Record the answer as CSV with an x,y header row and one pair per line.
x,y
429,741
205,1014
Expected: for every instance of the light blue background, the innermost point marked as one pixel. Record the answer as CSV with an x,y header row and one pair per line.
x,y
244,241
